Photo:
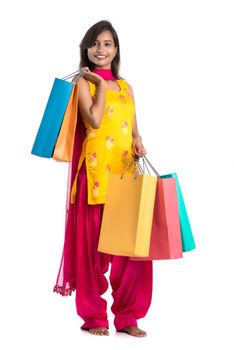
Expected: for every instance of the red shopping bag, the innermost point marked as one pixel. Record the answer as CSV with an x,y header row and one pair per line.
x,y
165,233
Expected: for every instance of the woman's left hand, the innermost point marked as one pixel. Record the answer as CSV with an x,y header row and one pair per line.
x,y
138,148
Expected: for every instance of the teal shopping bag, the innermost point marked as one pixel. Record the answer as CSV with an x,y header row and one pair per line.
x,y
52,118
186,231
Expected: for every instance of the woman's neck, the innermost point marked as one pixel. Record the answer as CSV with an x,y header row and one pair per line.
x,y
105,73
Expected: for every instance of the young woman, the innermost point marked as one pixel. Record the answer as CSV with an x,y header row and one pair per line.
x,y
107,138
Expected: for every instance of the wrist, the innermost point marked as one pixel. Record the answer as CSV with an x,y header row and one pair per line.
x,y
137,138
101,82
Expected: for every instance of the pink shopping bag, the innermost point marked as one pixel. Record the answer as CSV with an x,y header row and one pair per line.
x,y
165,233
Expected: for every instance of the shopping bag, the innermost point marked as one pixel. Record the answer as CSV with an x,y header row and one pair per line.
x,y
127,216
188,242
64,145
53,117
165,240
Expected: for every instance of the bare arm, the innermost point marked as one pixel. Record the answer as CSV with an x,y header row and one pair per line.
x,y
92,111
138,148
135,132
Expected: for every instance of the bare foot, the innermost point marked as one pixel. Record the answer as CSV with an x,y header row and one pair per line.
x,y
134,331
99,331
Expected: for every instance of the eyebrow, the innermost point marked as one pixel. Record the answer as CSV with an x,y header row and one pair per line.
x,y
105,40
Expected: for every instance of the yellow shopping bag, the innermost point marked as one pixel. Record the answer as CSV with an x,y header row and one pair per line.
x,y
127,216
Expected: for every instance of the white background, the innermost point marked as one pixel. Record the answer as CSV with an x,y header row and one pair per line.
x,y
178,56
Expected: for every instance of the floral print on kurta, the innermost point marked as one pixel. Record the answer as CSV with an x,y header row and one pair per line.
x,y
108,149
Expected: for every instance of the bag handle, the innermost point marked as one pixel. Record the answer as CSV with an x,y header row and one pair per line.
x,y
138,166
127,166
145,162
77,73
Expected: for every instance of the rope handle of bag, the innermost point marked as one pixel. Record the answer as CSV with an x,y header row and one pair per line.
x,y
77,74
140,168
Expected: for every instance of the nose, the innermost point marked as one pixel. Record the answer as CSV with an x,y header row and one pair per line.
x,y
100,46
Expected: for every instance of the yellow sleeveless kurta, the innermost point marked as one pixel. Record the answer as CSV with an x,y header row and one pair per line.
x,y
108,149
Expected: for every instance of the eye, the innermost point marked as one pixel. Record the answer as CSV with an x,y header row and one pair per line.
x,y
107,44
94,44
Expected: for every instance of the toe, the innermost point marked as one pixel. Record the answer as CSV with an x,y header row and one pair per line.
x,y
99,331
134,331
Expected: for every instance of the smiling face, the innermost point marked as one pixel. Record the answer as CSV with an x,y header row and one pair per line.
x,y
102,53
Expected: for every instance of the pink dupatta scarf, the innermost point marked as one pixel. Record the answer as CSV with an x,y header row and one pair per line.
x,y
66,279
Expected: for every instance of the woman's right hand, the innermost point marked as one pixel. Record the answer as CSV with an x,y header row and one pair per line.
x,y
94,78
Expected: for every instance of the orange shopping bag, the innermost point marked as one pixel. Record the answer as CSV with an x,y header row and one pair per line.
x,y
127,216
64,145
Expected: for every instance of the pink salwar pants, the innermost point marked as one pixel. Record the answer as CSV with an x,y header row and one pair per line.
x,y
131,280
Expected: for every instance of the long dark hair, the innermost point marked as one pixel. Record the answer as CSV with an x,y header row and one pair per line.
x,y
88,41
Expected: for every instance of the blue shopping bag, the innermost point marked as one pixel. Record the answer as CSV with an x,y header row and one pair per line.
x,y
186,231
52,118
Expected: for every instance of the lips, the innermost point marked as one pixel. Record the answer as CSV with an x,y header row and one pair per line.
x,y
100,56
